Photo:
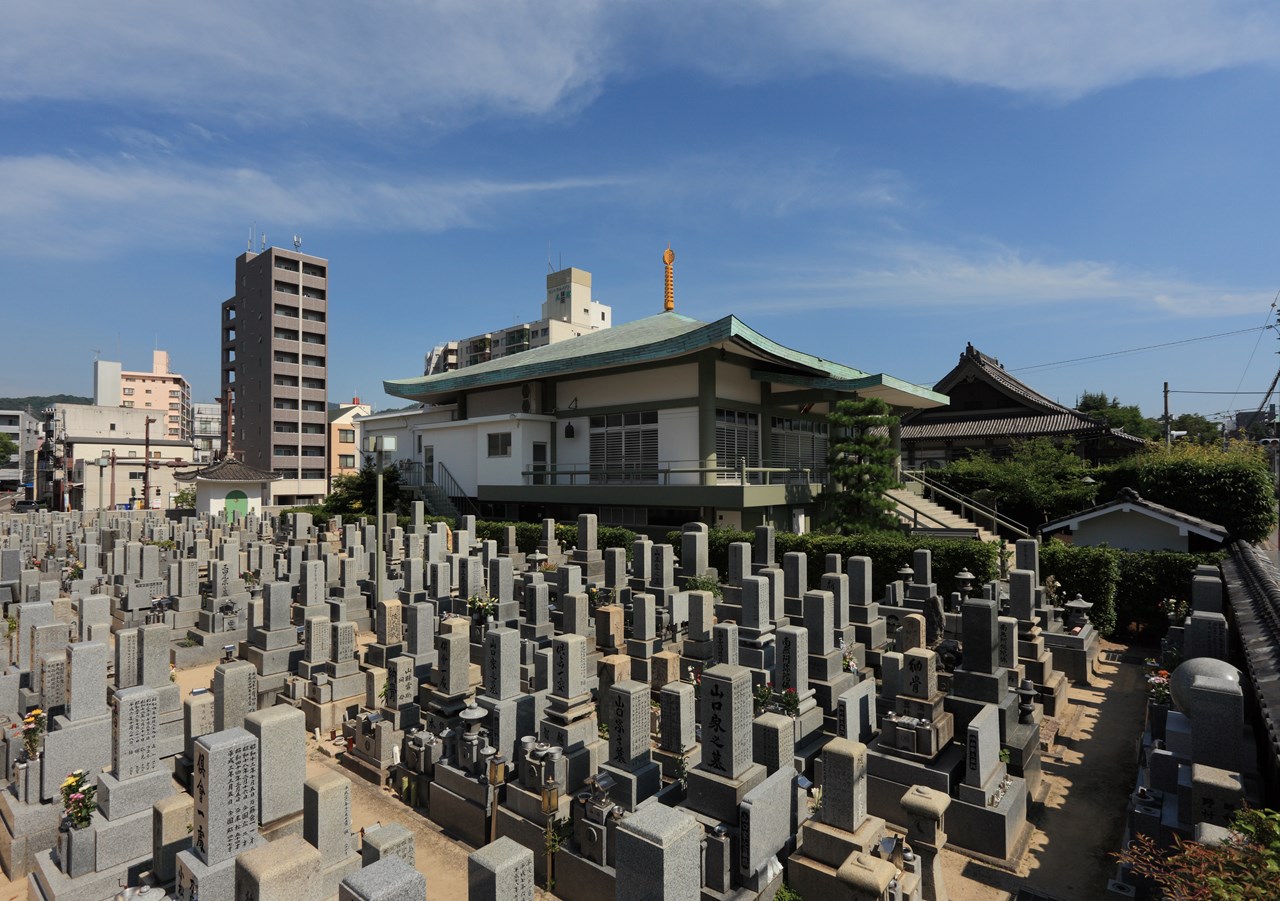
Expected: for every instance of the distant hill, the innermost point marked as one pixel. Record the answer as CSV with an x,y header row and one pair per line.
x,y
37,403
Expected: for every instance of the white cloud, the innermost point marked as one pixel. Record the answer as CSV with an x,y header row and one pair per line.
x,y
929,276
68,207
450,61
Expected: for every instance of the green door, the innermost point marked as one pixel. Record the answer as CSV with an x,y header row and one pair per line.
x,y
237,505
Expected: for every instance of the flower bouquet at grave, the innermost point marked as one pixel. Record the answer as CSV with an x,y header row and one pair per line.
x,y
547,567
1053,591
763,697
848,660
593,596
481,608
1158,687
78,799
1176,610
790,702
250,578
31,730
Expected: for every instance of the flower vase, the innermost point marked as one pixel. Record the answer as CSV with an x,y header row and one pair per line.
x,y
1157,718
77,849
655,720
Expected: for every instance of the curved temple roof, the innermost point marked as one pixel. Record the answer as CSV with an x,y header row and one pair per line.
x,y
665,336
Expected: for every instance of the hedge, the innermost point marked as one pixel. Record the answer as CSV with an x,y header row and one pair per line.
x,y
1125,587
529,535
887,550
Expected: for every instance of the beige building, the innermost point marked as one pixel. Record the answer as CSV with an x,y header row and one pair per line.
x,y
80,437
344,437
568,312
275,364
167,394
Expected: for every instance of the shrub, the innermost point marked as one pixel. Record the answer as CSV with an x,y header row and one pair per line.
x,y
529,534
1231,487
888,552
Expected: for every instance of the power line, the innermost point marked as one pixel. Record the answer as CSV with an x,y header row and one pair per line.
x,y
1134,350
1173,391
1270,312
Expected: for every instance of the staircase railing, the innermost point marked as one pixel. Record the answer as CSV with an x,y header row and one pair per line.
x,y
968,506
452,490
917,515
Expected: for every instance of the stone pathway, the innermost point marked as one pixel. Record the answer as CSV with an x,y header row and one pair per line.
x,y
1088,779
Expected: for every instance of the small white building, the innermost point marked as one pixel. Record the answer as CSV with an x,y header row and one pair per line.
x,y
231,487
1133,524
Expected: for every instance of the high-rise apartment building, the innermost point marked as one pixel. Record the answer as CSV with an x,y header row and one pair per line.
x,y
568,312
167,394
206,434
275,336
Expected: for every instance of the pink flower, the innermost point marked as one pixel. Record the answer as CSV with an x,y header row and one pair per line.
x,y
78,796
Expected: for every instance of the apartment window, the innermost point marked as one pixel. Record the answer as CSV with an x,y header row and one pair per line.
x,y
312,383
283,356
312,428
283,309
284,450
312,338
287,473
313,316
313,452
284,403
286,264
624,448
175,394
313,293
174,432
148,391
285,287
127,403
346,461
284,334
135,476
290,427
313,406
499,444
313,473
308,360
127,392
348,436
286,381
175,406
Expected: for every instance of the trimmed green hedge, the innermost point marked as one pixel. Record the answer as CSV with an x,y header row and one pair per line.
x,y
529,534
1125,587
888,552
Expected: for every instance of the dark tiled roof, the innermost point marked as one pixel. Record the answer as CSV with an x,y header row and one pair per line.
x,y
1043,416
228,470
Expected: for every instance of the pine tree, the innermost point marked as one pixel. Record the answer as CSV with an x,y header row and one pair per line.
x,y
861,469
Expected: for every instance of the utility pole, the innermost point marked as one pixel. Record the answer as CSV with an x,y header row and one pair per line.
x,y
1167,440
146,465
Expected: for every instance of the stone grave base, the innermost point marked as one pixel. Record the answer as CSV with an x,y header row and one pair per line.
x,y
326,880
529,835
373,771
1023,745
456,814
576,878
719,797
329,715
284,827
28,830
48,883
670,762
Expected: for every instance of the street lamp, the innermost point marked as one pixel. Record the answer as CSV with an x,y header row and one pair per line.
x,y
379,445
497,776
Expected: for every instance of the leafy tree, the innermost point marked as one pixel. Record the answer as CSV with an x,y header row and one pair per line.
x,y
356,494
8,447
1125,417
861,462
185,499
1246,865
1199,429
1037,482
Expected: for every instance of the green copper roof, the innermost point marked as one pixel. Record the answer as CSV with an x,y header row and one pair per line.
x,y
661,337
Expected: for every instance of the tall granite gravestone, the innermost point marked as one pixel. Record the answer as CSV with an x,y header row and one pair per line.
x,y
659,856
326,825
225,822
626,710
727,772
282,758
235,693
570,719
389,879
512,713
286,869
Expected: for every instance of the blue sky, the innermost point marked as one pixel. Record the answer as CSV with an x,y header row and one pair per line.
x,y
875,182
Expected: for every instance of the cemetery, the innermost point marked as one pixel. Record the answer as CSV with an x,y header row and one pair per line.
x,y
201,706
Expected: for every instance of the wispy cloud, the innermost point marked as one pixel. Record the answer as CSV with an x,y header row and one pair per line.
x,y
930,276
449,61
56,206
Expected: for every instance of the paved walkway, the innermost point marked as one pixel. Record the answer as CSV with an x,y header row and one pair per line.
x,y
1088,778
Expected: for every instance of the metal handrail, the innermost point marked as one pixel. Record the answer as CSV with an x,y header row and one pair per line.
x,y
918,513
649,474
454,492
964,501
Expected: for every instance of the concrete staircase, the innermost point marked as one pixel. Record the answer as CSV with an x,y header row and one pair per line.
x,y
931,515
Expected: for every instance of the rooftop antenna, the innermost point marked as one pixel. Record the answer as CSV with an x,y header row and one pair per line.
x,y
297,243
264,242
549,267
253,228
669,294
97,352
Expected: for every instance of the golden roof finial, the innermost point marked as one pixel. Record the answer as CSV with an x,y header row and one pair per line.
x,y
669,257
